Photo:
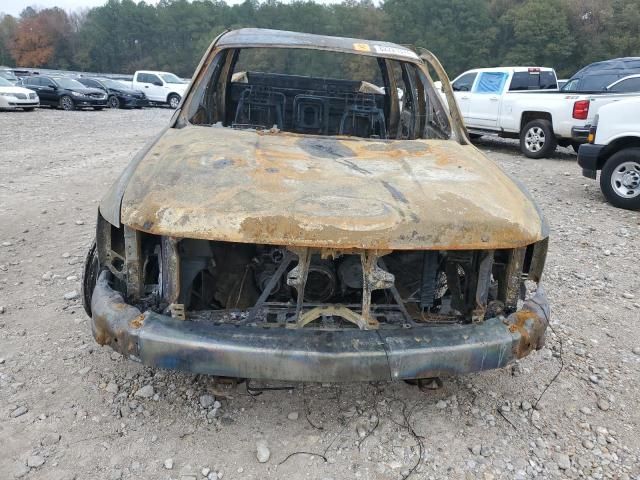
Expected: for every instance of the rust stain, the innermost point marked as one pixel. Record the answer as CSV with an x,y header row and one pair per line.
x,y
101,330
530,327
137,322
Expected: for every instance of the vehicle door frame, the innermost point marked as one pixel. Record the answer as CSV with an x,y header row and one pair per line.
x,y
463,97
155,93
485,106
459,132
49,94
622,81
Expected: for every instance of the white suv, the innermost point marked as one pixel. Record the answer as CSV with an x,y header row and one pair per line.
x,y
614,148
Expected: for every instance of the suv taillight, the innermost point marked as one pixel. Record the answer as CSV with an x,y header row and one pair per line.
x,y
581,109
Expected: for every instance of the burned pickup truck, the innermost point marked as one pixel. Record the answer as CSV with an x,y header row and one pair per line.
x,y
314,213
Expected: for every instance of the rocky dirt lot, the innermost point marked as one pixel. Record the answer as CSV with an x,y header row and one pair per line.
x,y
70,409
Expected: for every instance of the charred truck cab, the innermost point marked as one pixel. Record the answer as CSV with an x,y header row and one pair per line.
x,y
314,213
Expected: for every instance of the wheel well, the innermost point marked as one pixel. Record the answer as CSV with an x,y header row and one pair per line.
x,y
173,94
529,116
615,146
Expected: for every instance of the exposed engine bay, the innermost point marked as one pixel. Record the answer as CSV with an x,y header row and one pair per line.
x,y
318,288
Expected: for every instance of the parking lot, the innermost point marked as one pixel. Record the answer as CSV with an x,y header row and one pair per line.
x,y
75,410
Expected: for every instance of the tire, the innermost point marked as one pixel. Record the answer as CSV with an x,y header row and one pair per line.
x,y
66,103
114,102
620,179
474,136
173,100
29,109
98,108
537,139
89,277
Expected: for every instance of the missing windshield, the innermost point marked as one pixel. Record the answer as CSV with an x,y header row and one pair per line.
x,y
319,93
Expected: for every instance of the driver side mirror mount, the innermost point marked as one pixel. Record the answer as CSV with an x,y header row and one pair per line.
x,y
158,83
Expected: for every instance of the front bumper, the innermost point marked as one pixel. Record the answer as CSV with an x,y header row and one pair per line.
x,y
11,103
89,102
134,102
589,158
315,355
580,134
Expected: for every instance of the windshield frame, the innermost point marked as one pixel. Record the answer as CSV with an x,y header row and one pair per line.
x,y
111,83
60,82
219,62
171,77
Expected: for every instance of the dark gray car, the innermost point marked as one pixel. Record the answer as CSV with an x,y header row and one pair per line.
x,y
596,77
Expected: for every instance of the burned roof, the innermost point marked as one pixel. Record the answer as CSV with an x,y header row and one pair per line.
x,y
260,37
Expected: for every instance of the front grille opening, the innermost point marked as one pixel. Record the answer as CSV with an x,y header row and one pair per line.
x,y
260,284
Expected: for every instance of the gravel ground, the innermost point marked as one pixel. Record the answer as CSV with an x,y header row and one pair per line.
x,y
71,409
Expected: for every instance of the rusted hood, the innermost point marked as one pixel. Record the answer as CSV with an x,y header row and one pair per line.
x,y
280,188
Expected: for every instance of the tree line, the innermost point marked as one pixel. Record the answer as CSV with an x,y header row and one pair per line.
x,y
122,36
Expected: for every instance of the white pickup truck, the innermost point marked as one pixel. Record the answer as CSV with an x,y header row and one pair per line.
x,y
524,103
160,87
614,148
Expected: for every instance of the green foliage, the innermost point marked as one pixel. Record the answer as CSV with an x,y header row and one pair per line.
x,y
626,19
8,27
541,35
123,35
460,32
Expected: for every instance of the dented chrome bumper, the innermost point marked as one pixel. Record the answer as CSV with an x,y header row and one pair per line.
x,y
316,355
